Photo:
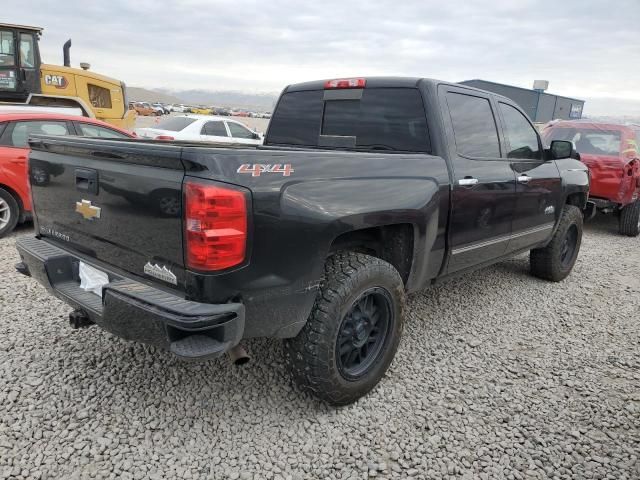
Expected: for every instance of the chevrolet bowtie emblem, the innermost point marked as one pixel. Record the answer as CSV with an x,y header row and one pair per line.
x,y
87,210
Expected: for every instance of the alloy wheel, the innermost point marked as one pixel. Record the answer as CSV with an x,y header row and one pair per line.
x,y
363,333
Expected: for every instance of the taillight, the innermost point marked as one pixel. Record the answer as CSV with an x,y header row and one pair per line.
x,y
164,137
345,83
215,226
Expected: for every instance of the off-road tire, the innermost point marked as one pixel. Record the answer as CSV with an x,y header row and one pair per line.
x,y
311,357
546,263
10,212
629,221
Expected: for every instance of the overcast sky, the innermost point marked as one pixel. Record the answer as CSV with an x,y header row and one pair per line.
x,y
585,48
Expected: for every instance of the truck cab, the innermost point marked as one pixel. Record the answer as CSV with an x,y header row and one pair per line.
x,y
19,62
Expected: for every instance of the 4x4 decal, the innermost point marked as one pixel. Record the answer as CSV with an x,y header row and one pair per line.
x,y
256,169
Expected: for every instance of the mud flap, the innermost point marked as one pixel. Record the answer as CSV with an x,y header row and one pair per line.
x,y
589,211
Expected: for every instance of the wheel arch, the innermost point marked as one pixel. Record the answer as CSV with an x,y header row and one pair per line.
x,y
392,243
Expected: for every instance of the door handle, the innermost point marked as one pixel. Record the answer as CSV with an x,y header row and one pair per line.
x,y
524,179
87,180
467,181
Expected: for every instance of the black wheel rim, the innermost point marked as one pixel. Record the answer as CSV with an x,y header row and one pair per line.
x,y
363,333
569,245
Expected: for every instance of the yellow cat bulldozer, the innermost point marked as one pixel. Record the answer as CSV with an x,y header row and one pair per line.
x,y
25,80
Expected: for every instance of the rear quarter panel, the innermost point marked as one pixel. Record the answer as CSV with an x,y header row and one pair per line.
x,y
297,217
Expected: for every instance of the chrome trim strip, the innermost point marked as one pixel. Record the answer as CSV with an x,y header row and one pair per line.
x,y
504,238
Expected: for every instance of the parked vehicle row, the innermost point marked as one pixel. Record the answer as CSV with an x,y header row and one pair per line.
x,y
146,108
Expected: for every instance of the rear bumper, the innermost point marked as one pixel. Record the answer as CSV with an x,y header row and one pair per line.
x,y
134,310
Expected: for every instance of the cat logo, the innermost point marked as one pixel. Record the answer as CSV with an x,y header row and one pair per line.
x,y
57,81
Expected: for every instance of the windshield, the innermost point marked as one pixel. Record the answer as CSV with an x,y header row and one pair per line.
x,y
383,119
589,141
175,124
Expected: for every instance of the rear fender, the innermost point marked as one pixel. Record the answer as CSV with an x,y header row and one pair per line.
x,y
575,180
336,207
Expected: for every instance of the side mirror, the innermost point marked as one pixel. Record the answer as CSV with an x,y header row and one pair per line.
x,y
256,136
563,149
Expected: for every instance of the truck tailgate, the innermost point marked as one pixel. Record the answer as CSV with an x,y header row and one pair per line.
x,y
113,200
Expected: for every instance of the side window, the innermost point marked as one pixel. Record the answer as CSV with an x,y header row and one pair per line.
x,y
22,130
215,129
474,127
27,56
100,97
7,53
89,130
522,137
238,131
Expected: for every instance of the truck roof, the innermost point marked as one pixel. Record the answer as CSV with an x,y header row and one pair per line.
x,y
391,82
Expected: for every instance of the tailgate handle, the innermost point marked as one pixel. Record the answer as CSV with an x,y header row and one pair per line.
x,y
87,180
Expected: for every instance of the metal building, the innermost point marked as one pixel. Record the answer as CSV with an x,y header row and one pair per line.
x,y
541,107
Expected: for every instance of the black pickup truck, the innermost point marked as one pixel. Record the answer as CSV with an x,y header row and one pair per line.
x,y
364,190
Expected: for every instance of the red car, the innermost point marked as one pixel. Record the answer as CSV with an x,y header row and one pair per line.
x,y
612,154
15,129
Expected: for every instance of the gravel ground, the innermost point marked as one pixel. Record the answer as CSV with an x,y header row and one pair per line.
x,y
499,375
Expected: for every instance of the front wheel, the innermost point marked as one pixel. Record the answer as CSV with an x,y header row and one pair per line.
x,y
555,261
629,223
353,331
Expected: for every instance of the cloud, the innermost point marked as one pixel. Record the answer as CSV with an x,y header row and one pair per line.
x,y
262,46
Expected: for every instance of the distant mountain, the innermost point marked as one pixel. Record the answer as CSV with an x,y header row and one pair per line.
x,y
263,102
233,99
143,95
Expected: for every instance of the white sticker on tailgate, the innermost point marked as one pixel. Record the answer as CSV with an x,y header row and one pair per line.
x,y
92,279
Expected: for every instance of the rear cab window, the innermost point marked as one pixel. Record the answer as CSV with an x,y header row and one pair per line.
x,y
385,119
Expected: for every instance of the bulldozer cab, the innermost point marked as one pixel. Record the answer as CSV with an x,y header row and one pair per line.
x,y
19,62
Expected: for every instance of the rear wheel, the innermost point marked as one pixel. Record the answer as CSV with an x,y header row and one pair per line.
x,y
353,332
9,212
555,261
629,222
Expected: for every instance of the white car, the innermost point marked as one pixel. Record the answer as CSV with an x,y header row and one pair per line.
x,y
201,128
177,108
